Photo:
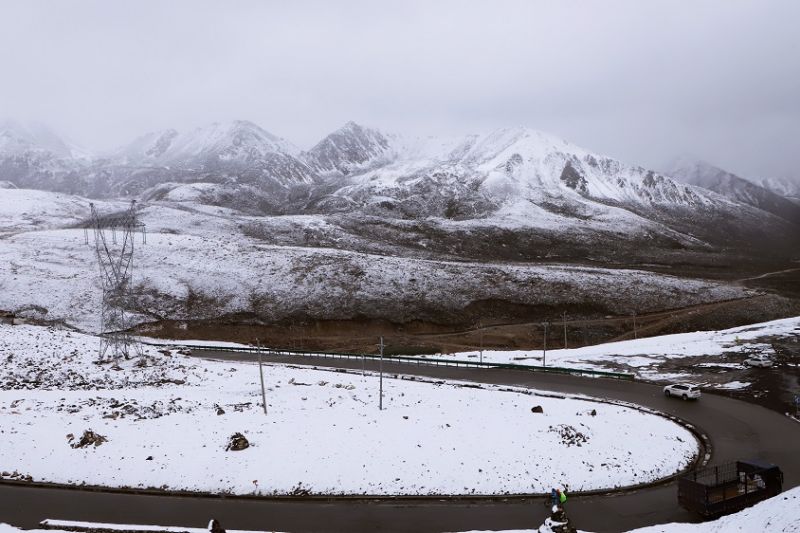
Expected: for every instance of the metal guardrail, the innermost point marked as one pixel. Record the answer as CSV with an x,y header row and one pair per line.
x,y
414,360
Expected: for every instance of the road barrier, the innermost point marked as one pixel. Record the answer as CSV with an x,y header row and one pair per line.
x,y
410,360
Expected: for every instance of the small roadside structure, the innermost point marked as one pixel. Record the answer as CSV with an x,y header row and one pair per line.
x,y
717,490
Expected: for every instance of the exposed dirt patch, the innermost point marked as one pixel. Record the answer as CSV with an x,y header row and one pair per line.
x,y
504,325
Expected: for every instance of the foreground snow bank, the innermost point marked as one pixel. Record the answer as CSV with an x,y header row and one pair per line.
x,y
167,424
780,514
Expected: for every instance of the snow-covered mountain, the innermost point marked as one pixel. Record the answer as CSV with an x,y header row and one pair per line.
x,y
21,137
514,169
731,186
33,156
521,179
238,151
236,142
512,178
349,149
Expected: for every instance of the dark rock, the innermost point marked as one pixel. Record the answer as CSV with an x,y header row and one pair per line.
x,y
237,442
537,409
573,179
89,438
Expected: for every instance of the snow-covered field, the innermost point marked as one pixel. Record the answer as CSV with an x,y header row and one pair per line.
x,y
644,355
323,432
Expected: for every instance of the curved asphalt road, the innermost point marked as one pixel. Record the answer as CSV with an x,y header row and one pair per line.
x,y
738,430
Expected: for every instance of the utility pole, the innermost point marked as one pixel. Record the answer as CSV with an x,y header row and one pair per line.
x,y
380,396
564,320
544,350
480,328
261,375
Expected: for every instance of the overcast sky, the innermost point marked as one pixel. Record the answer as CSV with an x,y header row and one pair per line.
x,y
639,80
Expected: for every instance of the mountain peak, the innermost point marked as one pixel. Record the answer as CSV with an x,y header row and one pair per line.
x,y
349,147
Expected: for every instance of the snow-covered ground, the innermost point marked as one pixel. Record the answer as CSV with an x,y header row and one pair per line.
x,y
644,355
323,432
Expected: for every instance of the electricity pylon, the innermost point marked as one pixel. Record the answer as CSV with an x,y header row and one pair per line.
x,y
116,264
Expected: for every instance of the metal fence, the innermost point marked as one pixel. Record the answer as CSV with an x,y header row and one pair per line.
x,y
414,360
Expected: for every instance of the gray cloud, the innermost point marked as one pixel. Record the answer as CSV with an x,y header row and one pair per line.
x,y
641,81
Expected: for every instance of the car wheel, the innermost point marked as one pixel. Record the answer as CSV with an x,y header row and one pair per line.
x,y
667,393
685,397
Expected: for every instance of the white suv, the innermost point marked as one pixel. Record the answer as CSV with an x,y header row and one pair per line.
x,y
758,360
682,390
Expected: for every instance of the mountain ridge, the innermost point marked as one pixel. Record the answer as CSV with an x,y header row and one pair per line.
x,y
514,177
733,187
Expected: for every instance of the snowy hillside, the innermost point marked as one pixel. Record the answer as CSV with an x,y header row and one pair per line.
x,y
207,262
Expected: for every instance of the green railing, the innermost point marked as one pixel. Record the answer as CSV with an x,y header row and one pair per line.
x,y
405,359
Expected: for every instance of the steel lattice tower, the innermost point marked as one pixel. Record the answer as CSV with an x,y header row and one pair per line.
x,y
116,264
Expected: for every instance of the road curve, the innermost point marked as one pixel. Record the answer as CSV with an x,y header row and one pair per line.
x,y
736,429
